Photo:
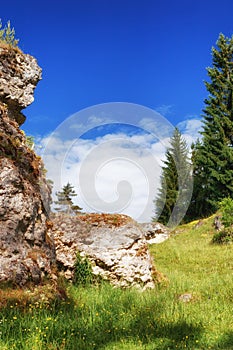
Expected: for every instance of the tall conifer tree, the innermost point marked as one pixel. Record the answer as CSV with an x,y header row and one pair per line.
x,y
213,155
176,184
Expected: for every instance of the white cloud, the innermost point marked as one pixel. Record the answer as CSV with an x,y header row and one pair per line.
x,y
164,109
116,172
113,173
190,129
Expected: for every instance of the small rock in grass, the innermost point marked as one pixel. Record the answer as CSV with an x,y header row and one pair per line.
x,y
186,297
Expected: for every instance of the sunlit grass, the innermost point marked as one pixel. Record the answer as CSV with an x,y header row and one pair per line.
x,y
107,318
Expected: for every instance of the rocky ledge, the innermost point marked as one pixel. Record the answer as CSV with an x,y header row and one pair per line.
x,y
19,75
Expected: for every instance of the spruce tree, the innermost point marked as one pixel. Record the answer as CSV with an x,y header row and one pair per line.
x,y
64,200
176,183
213,155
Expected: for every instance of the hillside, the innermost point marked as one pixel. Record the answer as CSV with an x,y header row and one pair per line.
x,y
191,308
198,269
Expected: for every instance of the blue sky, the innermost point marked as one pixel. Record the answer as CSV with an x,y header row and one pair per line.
x,y
152,53
149,54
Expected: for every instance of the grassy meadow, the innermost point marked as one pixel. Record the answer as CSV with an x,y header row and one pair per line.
x,y
106,318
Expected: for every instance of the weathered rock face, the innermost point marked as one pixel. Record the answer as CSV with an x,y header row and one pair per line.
x,y
26,252
19,75
115,244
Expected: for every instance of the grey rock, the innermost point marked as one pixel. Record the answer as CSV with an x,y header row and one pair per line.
x,y
155,232
115,245
19,75
186,297
26,252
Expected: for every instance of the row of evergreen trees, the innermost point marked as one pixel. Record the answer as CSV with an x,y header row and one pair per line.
x,y
211,163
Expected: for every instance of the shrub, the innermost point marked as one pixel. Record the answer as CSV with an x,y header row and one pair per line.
x,y
226,207
223,237
30,142
7,35
82,271
226,235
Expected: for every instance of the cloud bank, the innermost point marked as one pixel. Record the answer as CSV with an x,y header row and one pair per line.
x,y
115,171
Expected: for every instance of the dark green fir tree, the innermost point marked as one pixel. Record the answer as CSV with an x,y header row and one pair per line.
x,y
64,200
213,155
175,192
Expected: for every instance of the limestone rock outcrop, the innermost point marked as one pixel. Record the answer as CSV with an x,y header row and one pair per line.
x,y
114,243
19,75
30,241
26,251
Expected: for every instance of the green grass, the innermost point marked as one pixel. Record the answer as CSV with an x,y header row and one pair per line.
x,y
107,318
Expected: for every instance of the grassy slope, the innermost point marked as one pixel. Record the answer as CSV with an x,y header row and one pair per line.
x,y
107,318
194,265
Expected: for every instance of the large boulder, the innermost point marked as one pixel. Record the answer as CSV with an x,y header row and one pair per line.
x,y
115,244
26,251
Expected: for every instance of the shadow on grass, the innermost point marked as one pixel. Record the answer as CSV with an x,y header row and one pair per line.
x,y
226,342
70,325
160,337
